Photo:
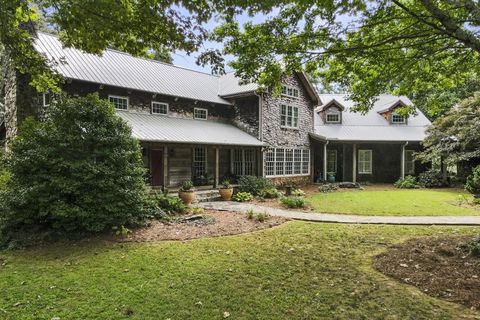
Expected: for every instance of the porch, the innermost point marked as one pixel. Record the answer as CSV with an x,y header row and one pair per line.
x,y
376,162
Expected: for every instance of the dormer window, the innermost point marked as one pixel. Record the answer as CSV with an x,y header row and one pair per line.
x,y
290,91
332,116
398,119
331,112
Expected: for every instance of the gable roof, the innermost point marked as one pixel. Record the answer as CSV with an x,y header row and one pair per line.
x,y
372,126
123,70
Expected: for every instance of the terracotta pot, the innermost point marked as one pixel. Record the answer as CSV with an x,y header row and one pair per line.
x,y
187,196
226,193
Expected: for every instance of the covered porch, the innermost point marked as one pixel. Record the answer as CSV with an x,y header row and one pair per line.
x,y
357,161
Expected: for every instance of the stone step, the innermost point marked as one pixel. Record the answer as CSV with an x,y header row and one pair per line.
x,y
202,195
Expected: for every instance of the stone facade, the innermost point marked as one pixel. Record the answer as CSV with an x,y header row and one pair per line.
x,y
246,115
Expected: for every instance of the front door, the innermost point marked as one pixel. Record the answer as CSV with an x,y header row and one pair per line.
x,y
156,158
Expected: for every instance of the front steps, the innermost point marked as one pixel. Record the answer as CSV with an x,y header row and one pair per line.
x,y
202,195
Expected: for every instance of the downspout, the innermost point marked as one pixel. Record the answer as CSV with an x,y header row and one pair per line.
x,y
402,161
325,160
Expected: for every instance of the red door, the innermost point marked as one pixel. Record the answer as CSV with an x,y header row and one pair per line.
x,y
156,158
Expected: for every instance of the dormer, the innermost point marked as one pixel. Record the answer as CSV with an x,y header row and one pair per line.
x,y
393,117
331,112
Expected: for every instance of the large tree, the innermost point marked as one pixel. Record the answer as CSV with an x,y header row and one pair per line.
x,y
367,47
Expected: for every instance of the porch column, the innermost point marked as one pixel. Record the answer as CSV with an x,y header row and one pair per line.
x,y
325,161
354,173
217,168
165,167
402,162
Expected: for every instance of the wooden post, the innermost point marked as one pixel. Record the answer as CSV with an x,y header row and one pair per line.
x,y
165,167
343,162
354,177
402,162
217,168
325,161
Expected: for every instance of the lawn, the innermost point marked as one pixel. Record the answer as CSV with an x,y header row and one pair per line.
x,y
298,270
393,202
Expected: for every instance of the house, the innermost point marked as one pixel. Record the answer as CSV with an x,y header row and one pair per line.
x,y
204,127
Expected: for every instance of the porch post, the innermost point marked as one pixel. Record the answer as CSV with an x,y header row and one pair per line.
x,y
354,173
217,168
325,161
402,162
165,167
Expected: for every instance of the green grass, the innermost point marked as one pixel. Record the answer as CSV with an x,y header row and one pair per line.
x,y
393,203
296,271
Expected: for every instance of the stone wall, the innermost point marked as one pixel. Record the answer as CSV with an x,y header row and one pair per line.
x,y
276,136
246,115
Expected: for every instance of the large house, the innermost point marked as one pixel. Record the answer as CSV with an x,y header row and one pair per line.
x,y
205,127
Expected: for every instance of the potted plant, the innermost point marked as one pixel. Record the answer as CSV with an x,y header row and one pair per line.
x,y
187,192
331,177
226,190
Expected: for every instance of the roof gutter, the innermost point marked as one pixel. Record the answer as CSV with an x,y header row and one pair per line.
x,y
260,115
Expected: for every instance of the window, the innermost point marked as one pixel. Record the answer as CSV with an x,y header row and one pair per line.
x,y
332,161
281,162
200,114
159,107
396,118
365,161
120,103
290,91
409,162
332,116
243,162
46,99
199,162
289,116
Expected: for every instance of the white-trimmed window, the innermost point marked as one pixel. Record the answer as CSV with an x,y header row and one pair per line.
x,y
290,91
243,162
331,161
364,161
409,162
200,114
398,119
120,103
281,162
46,97
289,116
159,107
199,162
332,116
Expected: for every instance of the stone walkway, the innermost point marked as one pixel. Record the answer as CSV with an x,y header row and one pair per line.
x,y
342,218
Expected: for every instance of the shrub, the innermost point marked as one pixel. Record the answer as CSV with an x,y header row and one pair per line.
x,y
298,193
409,182
293,202
473,181
270,193
261,216
78,171
431,179
327,187
187,186
250,214
170,204
226,184
242,197
197,210
472,247
253,184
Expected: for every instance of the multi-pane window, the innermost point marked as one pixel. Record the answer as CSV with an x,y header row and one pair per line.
x,y
332,117
289,116
287,162
243,162
200,113
396,118
332,161
290,91
237,162
199,162
365,161
120,103
409,162
159,107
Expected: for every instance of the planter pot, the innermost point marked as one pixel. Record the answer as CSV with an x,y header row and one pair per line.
x,y
226,193
187,196
331,179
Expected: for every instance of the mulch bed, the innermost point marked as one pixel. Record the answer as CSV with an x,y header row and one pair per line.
x,y
223,223
437,266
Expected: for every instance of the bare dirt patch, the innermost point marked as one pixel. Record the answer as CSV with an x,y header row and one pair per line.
x,y
223,223
437,266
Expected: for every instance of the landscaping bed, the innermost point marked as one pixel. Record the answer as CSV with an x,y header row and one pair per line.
x,y
210,223
437,266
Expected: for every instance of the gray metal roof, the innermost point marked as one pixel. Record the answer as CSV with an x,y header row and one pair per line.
x,y
229,85
371,126
148,127
123,70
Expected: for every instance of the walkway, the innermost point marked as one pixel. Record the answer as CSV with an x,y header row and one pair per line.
x,y
342,218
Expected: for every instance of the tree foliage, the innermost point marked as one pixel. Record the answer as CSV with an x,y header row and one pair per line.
x,y
78,171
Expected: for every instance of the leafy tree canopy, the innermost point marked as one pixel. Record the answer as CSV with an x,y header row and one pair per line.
x,y
367,47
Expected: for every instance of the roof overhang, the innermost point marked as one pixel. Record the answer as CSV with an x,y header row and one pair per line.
x,y
332,102
312,92
392,107
317,137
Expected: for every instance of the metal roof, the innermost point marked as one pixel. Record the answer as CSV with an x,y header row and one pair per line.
x,y
157,128
123,70
229,85
371,126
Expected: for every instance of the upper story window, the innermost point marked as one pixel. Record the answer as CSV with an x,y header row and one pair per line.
x,y
120,103
159,107
332,116
398,119
200,114
289,116
290,91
